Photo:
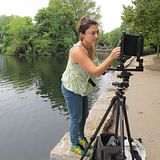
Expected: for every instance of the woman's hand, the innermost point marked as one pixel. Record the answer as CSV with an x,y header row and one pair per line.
x,y
115,53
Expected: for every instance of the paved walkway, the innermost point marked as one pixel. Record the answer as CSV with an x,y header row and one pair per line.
x,y
143,100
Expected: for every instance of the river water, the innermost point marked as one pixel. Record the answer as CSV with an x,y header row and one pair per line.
x,y
33,113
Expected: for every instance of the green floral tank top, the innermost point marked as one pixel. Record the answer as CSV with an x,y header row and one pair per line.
x,y
75,78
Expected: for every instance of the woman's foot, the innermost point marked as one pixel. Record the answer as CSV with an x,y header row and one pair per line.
x,y
84,142
79,149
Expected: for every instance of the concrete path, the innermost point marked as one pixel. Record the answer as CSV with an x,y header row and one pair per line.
x,y
143,100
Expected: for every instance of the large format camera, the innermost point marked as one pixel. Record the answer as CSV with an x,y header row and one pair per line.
x,y
131,45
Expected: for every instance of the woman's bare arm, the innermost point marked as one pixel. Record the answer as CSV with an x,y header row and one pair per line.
x,y
79,56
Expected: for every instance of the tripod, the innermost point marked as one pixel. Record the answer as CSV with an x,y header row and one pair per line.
x,y
121,116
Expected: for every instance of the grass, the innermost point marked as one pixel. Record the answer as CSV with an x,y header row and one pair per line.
x,y
158,58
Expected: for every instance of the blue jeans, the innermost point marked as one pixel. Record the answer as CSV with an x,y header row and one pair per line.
x,y
79,110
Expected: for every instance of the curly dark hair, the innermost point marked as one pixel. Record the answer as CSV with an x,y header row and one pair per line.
x,y
84,23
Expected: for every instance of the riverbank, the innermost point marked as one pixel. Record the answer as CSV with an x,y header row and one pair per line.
x,y
143,111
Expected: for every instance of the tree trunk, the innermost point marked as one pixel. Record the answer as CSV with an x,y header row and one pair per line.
x,y
157,50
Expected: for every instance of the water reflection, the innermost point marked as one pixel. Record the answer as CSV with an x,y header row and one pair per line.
x,y
33,113
39,73
42,74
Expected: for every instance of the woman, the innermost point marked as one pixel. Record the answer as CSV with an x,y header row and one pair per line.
x,y
79,78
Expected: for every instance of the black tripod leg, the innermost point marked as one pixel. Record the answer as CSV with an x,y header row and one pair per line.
x,y
117,121
121,128
128,129
100,125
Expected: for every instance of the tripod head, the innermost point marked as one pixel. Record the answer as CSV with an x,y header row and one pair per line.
x,y
125,75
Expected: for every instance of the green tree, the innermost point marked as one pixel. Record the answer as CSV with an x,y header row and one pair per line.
x,y
114,37
80,8
18,35
145,18
103,39
127,28
53,32
4,21
55,28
